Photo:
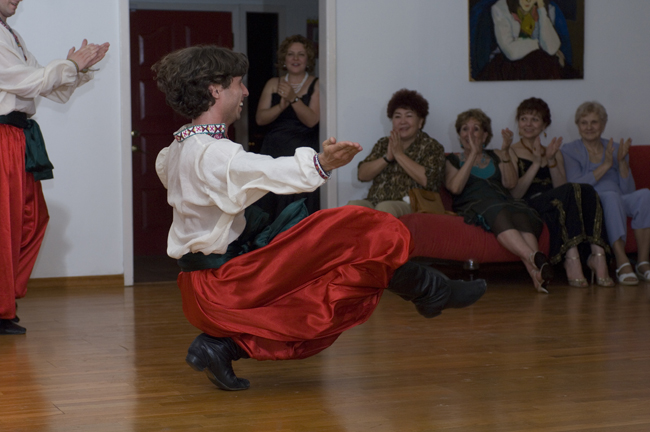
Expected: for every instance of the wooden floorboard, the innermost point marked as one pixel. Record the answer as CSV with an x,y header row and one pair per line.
x,y
112,359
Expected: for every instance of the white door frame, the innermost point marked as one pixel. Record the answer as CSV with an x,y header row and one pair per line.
x,y
327,72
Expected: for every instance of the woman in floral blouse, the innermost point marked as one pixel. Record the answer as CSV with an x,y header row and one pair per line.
x,y
408,158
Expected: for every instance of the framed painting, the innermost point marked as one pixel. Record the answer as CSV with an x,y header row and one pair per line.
x,y
512,40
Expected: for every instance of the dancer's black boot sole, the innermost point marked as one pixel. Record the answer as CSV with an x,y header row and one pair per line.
x,y
214,356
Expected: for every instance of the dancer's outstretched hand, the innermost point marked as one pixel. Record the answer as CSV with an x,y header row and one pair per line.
x,y
336,154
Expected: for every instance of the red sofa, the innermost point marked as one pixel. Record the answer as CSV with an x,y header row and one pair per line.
x,y
449,238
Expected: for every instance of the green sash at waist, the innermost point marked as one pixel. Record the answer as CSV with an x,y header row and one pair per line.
x,y
258,233
36,160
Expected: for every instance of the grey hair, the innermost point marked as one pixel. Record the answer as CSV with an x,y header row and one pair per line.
x,y
592,107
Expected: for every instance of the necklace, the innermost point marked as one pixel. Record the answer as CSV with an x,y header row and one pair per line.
x,y
481,162
530,149
296,87
15,37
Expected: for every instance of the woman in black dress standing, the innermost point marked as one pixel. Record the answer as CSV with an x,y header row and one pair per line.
x,y
290,105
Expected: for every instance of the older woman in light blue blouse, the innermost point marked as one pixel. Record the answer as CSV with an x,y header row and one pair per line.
x,y
605,165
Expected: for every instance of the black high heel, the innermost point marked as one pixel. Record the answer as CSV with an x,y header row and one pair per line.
x,y
541,262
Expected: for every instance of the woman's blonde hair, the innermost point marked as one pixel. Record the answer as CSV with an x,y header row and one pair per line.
x,y
284,48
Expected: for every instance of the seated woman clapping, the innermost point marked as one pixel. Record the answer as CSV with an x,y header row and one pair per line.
x,y
479,181
572,212
605,166
407,158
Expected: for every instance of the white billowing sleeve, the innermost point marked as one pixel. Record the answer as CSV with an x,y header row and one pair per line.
x,y
21,81
211,182
249,176
506,31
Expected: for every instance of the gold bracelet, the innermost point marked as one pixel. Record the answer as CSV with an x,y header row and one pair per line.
x,y
505,161
553,166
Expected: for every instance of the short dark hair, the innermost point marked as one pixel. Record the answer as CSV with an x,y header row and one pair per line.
x,y
284,48
408,99
185,76
478,115
535,105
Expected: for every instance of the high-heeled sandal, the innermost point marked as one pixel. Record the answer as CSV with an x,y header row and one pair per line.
x,y
541,263
540,286
623,276
606,281
581,282
645,277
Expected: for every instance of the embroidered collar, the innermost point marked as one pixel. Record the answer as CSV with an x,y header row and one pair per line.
x,y
216,131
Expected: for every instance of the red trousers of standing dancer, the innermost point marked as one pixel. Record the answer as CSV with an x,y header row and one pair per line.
x,y
23,219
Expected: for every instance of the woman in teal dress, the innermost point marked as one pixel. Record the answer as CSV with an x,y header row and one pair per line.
x,y
479,181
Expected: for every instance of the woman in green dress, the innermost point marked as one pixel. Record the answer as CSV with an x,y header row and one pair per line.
x,y
479,181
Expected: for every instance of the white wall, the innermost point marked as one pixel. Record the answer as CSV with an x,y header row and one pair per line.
x,y
384,45
381,46
83,141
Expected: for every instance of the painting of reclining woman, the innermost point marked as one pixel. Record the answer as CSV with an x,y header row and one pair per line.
x,y
526,39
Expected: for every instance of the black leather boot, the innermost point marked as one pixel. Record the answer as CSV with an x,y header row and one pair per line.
x,y
432,291
215,356
9,327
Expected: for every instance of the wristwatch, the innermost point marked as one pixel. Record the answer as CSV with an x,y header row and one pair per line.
x,y
295,100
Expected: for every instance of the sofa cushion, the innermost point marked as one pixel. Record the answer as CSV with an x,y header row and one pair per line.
x,y
639,160
447,237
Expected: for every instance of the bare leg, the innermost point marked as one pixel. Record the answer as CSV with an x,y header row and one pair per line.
x,y
573,268
597,262
515,242
530,240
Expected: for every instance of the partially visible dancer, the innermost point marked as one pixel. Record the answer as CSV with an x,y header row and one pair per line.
x,y
605,165
23,158
290,106
408,158
479,181
571,211
280,290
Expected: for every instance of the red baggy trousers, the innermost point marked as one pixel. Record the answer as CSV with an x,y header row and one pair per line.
x,y
293,298
23,219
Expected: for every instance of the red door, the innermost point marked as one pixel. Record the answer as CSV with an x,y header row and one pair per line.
x,y
154,34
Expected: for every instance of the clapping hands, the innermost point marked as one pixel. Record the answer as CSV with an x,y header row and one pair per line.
x,y
88,54
507,135
395,145
624,149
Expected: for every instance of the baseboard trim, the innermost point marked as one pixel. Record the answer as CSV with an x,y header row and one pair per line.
x,y
77,282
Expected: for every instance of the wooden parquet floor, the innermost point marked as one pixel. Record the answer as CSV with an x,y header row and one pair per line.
x,y
112,359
